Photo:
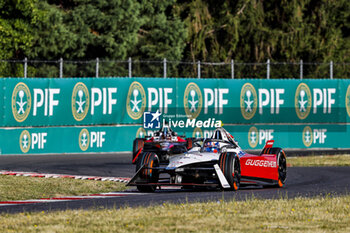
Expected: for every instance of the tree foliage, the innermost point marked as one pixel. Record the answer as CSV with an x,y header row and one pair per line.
x,y
206,30
17,19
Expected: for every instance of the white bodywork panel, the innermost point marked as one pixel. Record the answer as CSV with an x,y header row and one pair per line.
x,y
221,176
195,156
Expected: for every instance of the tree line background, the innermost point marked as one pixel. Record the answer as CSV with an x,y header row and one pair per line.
x,y
210,31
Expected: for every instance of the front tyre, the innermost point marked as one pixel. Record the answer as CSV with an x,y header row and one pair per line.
x,y
148,175
231,168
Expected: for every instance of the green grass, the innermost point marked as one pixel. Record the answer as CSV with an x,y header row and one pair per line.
x,y
317,161
22,188
321,214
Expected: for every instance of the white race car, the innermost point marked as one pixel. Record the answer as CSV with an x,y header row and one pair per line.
x,y
213,162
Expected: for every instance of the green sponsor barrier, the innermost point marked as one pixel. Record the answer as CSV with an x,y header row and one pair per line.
x,y
67,139
51,112
53,140
104,101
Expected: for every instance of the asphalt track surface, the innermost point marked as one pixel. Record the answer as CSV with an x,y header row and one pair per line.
x,y
301,182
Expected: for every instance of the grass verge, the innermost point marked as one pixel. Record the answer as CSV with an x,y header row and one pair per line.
x,y
321,214
317,161
22,188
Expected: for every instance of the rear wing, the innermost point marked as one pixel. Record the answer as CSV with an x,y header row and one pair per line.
x,y
267,147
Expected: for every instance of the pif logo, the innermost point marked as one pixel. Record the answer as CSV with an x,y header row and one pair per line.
x,y
197,133
136,100
80,101
347,100
193,101
259,137
21,102
84,139
249,101
253,137
92,139
307,136
303,101
33,140
141,133
314,136
24,141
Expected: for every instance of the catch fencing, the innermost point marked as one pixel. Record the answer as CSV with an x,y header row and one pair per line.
x,y
176,69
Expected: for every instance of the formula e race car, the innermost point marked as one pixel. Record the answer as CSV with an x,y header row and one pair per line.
x,y
163,143
216,162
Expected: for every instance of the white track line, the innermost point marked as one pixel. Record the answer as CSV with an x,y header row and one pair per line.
x,y
68,198
44,175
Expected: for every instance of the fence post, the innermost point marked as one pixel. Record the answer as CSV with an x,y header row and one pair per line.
x,y
25,67
232,69
164,67
97,66
268,69
199,69
61,67
301,69
130,67
331,69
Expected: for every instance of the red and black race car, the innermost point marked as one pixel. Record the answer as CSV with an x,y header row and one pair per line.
x,y
219,162
163,143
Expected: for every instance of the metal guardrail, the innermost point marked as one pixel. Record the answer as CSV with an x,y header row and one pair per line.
x,y
165,68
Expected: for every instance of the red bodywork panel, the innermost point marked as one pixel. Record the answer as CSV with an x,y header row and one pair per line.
x,y
261,166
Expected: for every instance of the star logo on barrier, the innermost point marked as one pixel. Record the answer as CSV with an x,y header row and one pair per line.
x,y
253,137
80,101
84,139
24,141
21,102
307,136
192,100
248,102
136,100
347,100
197,133
141,133
302,101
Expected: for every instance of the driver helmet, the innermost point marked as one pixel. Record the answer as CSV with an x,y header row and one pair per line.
x,y
212,147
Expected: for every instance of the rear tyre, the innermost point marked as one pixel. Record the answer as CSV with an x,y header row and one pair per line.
x,y
282,167
148,175
137,148
281,162
230,166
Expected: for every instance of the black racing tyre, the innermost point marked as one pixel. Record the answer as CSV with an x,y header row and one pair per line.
x,y
149,159
137,148
189,143
230,166
282,167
